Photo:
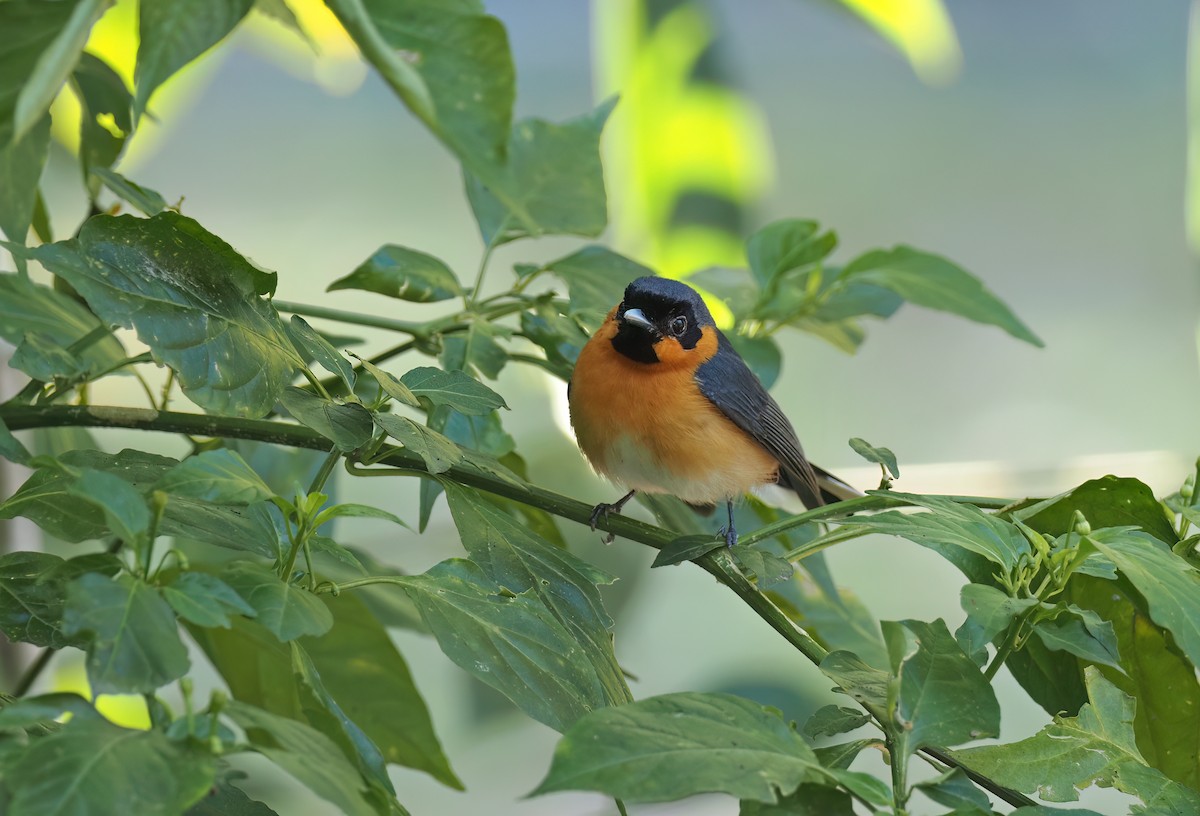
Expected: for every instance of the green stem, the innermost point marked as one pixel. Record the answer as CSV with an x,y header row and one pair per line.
x,y
303,530
898,754
822,542
621,808
471,302
357,318
31,674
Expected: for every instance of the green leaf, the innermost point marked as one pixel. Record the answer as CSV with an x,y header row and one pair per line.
x,y
1084,635
989,612
43,359
55,62
318,348
864,683
93,767
737,288
378,693
286,610
352,510
205,600
453,389
954,789
27,308
951,525
476,349
246,529
687,548
31,599
936,283
783,246
346,424
125,510
192,299
1097,747
172,33
402,273
220,476
1162,680
596,278
880,456
324,713
1170,585
520,561
831,720
448,62
511,642
942,698
810,799
134,644
676,745
390,384
305,753
105,106
438,452
767,568
1110,501
11,447
224,799
843,755
144,199
552,184
560,336
21,166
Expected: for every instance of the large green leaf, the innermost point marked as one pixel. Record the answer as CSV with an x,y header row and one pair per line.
x,y
225,799
932,281
941,696
783,246
989,612
205,600
305,753
1110,501
346,424
31,599
678,745
317,348
1164,683
286,610
172,33
133,644
27,308
103,98
453,389
809,799
96,768
220,476
403,273
1170,585
519,560
29,29
1097,747
448,62
192,299
511,642
951,525
475,349
55,62
596,278
369,678
438,452
553,183
126,513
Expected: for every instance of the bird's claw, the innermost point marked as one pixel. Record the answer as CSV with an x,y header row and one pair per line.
x,y
600,511
730,535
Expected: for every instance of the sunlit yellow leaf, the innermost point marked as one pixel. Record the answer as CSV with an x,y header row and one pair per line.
x,y
920,29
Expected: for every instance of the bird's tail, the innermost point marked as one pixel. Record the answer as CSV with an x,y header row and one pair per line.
x,y
831,488
834,489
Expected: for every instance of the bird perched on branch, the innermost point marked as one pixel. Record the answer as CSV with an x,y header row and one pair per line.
x,y
662,403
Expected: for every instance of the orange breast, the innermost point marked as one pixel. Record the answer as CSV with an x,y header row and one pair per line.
x,y
648,427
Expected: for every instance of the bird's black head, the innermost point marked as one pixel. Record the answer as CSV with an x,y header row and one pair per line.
x,y
660,318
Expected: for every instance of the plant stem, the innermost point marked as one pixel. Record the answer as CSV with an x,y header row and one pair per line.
x,y
31,674
357,318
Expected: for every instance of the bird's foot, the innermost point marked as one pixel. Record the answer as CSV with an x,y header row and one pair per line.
x,y
602,511
730,535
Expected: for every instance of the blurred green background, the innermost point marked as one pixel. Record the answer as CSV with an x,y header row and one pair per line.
x,y
1052,166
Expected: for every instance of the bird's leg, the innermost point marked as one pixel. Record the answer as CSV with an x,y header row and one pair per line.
x,y
603,509
730,534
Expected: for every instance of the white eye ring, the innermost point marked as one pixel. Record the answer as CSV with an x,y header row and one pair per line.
x,y
679,325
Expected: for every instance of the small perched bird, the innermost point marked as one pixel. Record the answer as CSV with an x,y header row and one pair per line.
x,y
662,403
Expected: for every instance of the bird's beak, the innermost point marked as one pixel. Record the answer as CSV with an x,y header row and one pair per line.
x,y
638,318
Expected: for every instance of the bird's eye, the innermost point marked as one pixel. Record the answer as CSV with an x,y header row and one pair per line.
x,y
679,325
